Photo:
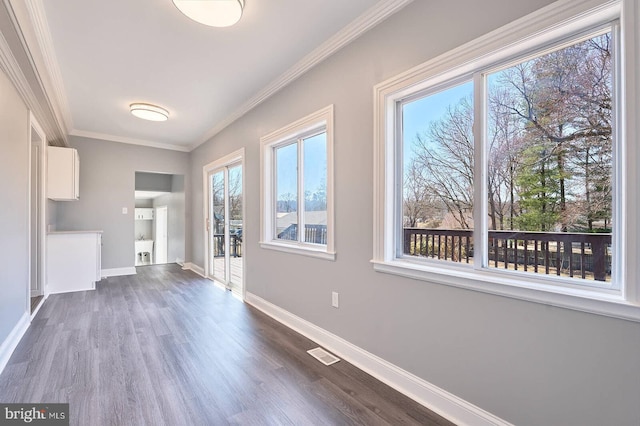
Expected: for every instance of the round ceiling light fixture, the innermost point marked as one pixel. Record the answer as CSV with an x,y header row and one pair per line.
x,y
214,13
149,112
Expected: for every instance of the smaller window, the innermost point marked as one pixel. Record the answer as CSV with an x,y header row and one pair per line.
x,y
297,187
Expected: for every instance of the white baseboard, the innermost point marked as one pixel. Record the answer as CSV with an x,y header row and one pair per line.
x,y
180,261
34,313
11,342
438,400
117,272
195,268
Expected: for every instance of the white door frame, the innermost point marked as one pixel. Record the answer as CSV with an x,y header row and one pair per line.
x,y
165,238
35,130
228,160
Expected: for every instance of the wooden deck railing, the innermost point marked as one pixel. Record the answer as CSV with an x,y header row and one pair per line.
x,y
560,253
235,246
315,234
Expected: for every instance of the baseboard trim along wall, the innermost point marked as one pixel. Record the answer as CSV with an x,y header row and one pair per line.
x,y
117,272
193,267
438,400
44,299
11,342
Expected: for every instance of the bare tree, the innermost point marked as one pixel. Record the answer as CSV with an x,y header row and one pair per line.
x,y
420,205
445,156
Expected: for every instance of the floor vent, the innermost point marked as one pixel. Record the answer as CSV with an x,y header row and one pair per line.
x,y
323,356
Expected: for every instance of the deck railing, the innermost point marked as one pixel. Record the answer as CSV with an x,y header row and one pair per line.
x,y
235,246
315,234
561,253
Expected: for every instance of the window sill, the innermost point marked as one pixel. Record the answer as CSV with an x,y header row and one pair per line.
x,y
585,300
300,249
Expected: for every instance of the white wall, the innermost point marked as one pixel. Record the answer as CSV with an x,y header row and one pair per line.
x,y
14,207
107,184
525,362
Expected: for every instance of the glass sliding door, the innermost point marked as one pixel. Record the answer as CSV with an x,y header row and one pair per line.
x,y
234,201
217,228
225,226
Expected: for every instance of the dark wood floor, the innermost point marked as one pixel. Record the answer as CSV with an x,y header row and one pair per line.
x,y
35,301
167,347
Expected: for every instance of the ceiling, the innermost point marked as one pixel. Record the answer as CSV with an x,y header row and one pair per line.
x,y
149,195
104,55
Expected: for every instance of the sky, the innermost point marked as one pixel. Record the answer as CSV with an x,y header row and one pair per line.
x,y
315,166
417,115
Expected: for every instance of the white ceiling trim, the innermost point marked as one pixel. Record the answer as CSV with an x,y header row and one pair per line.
x,y
149,195
130,141
378,13
43,34
9,64
61,106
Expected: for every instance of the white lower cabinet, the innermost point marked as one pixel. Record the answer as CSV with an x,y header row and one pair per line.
x,y
73,261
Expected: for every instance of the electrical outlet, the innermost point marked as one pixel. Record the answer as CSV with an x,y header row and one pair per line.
x,y
125,210
335,302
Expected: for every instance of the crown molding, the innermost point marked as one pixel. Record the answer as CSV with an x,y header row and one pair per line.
x,y
45,43
11,66
58,102
127,140
372,17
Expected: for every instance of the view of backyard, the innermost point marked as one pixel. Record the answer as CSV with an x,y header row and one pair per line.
x,y
549,166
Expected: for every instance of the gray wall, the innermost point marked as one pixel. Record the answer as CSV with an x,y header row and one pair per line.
x,y
528,363
175,202
144,203
14,213
153,182
51,214
107,184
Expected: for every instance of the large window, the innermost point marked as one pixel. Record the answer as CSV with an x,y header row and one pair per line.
x,y
507,169
438,174
297,187
548,134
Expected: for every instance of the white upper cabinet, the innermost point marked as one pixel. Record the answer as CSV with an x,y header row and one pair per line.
x,y
63,174
144,213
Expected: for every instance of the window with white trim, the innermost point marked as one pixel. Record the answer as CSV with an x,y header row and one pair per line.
x,y
297,187
505,171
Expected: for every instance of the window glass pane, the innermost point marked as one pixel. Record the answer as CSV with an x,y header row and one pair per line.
x,y
287,192
235,223
218,220
438,175
550,163
315,189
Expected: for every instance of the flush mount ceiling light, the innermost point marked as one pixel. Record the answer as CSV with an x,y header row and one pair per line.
x,y
214,13
149,112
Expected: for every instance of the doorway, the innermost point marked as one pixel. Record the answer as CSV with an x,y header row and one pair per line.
x,y
224,212
161,223
37,216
